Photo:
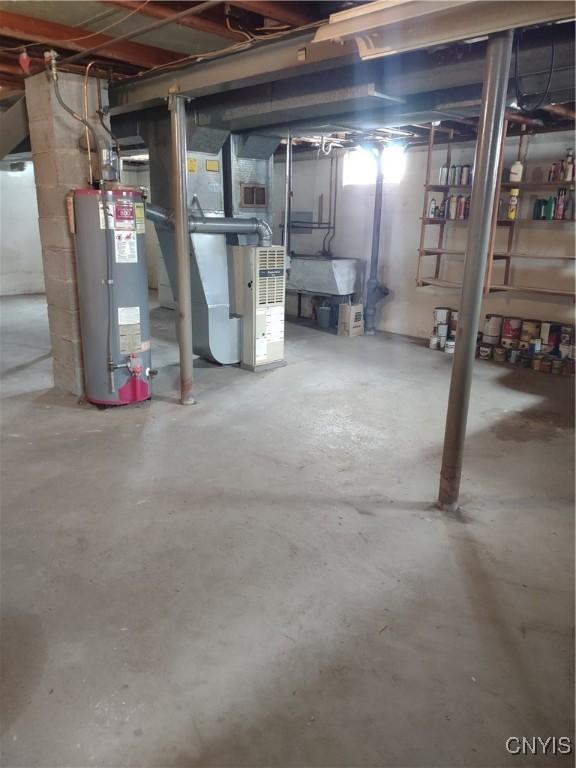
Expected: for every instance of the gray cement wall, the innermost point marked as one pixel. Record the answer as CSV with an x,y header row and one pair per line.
x,y
60,164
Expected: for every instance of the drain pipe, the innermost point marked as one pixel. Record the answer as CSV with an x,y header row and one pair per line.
x,y
288,211
214,225
372,286
486,163
177,107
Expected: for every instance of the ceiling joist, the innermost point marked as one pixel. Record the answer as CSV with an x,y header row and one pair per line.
x,y
162,10
287,13
19,27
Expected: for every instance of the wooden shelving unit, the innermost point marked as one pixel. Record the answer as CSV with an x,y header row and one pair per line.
x,y
506,255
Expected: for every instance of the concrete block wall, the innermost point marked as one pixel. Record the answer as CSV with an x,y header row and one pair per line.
x,y
60,164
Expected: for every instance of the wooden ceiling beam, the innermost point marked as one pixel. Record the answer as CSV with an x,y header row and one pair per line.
x,y
15,25
164,11
287,13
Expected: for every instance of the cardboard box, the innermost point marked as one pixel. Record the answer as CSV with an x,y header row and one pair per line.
x,y
350,320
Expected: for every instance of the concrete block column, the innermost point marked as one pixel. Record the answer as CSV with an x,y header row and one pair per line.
x,y
60,164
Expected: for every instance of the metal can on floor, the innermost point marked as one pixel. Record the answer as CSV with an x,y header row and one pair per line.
x,y
525,360
434,342
547,365
485,351
450,346
557,364
513,356
568,367
499,354
536,362
453,321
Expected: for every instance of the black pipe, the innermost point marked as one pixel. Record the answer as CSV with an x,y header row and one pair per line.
x,y
372,287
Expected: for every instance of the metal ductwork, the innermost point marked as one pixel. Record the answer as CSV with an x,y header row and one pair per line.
x,y
214,225
220,179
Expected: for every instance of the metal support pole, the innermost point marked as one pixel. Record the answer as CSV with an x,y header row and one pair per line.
x,y
182,239
372,286
486,161
288,212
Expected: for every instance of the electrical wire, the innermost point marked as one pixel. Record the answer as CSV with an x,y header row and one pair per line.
x,y
84,37
229,26
520,96
196,58
88,68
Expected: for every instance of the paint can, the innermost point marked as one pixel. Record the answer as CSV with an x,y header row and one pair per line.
x,y
568,367
530,330
547,365
536,362
509,343
492,327
485,351
513,356
511,328
442,330
453,320
550,333
499,354
535,346
442,342
525,360
566,334
434,342
450,346
492,340
557,364
441,315
524,345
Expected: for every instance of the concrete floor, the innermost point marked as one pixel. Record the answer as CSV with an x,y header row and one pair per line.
x,y
260,579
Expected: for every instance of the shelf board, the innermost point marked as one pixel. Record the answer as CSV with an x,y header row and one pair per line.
x,y
547,221
444,187
537,184
433,281
449,252
530,289
501,222
537,256
439,283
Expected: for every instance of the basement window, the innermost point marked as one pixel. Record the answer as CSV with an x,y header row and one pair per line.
x,y
253,196
360,165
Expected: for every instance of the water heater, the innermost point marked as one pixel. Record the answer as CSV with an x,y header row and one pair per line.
x,y
259,277
112,279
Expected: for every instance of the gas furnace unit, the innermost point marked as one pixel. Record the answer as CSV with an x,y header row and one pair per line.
x,y
259,278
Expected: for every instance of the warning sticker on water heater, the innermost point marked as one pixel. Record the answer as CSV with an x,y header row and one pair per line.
x,y
128,315
124,215
125,247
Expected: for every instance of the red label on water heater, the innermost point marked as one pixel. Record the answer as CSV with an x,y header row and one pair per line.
x,y
124,216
